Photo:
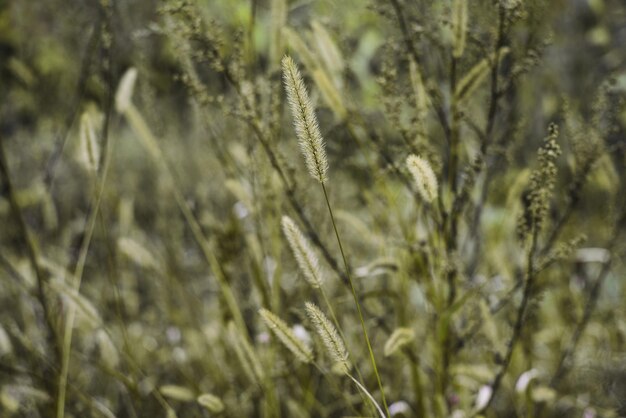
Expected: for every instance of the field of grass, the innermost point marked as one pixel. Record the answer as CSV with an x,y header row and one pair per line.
x,y
316,208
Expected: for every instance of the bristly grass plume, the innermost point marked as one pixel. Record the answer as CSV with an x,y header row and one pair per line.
x,y
424,177
287,336
305,121
303,252
330,337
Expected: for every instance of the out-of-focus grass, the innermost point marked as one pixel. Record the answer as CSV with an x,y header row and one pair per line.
x,y
475,309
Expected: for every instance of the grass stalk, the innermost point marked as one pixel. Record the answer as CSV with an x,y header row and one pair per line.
x,y
356,300
77,280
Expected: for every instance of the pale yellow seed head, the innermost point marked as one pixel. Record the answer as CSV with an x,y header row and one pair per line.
x,y
287,336
424,176
305,121
303,252
330,337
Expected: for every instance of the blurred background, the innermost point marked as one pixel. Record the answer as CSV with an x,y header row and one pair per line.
x,y
149,309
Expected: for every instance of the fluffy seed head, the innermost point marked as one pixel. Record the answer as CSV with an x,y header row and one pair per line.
x,y
287,336
424,176
302,251
305,121
330,337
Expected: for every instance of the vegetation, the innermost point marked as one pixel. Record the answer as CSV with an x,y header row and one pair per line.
x,y
315,208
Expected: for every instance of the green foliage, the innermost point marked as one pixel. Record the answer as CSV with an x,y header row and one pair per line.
x,y
158,215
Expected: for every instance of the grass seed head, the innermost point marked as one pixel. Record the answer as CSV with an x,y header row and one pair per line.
x,y
287,336
330,337
305,121
424,176
303,252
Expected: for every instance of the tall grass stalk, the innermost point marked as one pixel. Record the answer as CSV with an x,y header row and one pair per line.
x,y
356,300
77,275
312,147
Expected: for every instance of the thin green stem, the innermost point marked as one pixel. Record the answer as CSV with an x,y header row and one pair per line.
x,y
369,395
338,326
356,300
77,277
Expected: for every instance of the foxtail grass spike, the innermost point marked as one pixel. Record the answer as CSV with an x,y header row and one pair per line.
x,y
303,252
305,121
286,336
330,336
424,176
